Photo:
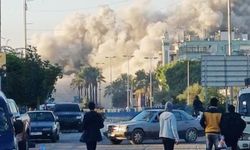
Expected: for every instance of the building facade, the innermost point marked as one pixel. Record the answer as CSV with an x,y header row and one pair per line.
x,y
193,48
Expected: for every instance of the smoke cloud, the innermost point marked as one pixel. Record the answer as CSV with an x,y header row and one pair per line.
x,y
136,30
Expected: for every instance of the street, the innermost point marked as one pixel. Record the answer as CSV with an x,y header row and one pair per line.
x,y
70,141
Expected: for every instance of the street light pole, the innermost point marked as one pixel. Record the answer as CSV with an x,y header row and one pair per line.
x,y
100,88
110,66
188,99
150,81
128,82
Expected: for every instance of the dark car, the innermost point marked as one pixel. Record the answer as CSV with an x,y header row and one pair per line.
x,y
69,116
43,125
7,134
145,125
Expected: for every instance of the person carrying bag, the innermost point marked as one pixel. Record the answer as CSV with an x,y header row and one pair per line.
x,y
92,123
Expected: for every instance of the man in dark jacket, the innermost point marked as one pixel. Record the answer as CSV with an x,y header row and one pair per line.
x,y
232,126
92,123
210,121
197,105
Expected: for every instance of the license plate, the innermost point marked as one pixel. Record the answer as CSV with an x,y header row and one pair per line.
x,y
36,133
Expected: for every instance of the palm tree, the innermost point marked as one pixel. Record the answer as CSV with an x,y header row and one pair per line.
x,y
142,83
78,83
91,76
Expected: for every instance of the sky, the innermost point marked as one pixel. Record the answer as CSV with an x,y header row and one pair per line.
x,y
44,15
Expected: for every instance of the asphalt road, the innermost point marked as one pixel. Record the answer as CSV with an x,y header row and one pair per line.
x,y
70,141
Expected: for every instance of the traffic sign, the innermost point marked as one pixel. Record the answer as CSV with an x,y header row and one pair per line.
x,y
224,71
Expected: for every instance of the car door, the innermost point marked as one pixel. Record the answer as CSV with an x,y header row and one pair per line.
x,y
155,126
181,122
6,132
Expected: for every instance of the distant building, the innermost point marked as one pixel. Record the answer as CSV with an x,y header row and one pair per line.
x,y
192,47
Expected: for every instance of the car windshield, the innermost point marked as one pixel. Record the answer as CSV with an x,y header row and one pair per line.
x,y
67,107
41,116
3,121
144,116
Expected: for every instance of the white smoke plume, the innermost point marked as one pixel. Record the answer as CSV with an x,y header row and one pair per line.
x,y
135,30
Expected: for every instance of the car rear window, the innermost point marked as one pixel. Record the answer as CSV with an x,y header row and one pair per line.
x,y
144,116
67,108
41,116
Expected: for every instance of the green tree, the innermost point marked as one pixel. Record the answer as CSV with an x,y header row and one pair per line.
x,y
78,83
193,90
30,80
88,78
176,76
118,91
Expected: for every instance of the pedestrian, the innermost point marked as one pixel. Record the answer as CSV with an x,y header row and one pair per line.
x,y
232,127
210,121
92,123
168,127
197,105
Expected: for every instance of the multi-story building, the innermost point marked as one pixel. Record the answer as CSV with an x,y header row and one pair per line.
x,y
192,47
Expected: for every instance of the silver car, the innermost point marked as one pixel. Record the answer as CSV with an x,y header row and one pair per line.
x,y
145,125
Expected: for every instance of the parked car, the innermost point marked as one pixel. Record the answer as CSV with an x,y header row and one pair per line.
x,y
43,125
145,125
21,125
69,116
7,133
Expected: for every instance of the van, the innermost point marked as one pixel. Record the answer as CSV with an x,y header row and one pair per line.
x,y
7,133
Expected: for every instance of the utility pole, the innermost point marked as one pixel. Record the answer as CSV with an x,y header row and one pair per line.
x,y
229,43
25,25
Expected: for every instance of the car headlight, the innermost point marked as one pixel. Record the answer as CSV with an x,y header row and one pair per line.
x,y
78,117
246,136
46,129
121,128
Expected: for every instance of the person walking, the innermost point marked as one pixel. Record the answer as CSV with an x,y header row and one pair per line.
x,y
210,121
197,105
92,123
232,127
168,127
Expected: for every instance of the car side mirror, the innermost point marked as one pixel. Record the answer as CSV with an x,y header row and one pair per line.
x,y
56,119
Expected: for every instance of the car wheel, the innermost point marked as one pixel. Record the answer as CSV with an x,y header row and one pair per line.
x,y
191,135
137,136
115,141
